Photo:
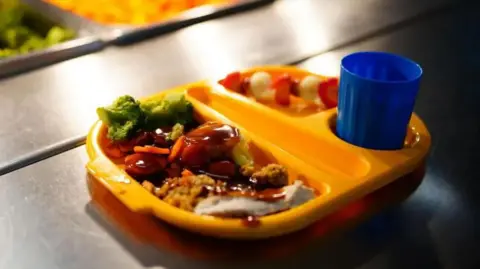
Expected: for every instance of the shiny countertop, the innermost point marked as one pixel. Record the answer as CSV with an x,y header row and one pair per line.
x,y
48,220
51,109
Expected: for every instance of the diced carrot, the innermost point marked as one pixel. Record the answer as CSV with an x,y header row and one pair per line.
x,y
176,149
151,149
187,173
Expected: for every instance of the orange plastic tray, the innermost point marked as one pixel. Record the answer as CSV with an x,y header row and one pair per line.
x,y
305,144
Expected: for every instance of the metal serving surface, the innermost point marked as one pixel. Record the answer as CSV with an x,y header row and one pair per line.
x,y
47,221
57,104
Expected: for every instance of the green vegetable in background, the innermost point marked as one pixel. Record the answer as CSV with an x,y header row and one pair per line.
x,y
15,36
122,117
57,35
171,109
126,115
11,13
23,30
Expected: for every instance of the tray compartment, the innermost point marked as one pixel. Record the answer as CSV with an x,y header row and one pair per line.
x,y
282,131
134,196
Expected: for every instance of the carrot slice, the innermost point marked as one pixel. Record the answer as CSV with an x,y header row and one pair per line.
x,y
176,149
151,149
187,173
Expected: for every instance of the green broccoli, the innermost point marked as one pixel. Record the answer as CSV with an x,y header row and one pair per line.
x,y
123,117
58,34
171,109
4,53
32,43
11,14
15,36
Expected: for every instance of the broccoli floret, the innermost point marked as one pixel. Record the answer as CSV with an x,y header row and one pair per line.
x,y
4,53
171,109
122,117
14,37
57,35
126,115
33,43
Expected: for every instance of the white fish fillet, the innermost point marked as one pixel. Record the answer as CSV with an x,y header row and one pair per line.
x,y
295,195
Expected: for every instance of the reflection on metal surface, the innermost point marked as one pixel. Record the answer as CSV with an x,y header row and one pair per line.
x,y
304,16
208,51
151,231
327,64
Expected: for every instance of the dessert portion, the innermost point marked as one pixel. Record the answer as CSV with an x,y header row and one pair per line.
x,y
310,93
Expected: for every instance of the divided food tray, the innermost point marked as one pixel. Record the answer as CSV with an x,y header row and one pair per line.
x,y
305,144
124,34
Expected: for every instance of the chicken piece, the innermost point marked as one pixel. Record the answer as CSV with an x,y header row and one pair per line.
x,y
274,174
295,195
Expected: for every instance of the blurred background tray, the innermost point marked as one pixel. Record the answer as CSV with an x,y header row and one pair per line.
x,y
84,42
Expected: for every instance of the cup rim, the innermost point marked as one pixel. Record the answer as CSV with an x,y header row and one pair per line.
x,y
377,53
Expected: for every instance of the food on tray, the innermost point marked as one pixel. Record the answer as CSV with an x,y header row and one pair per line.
x,y
285,90
22,31
132,12
205,168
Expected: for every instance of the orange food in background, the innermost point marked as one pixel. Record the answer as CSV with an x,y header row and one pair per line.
x,y
133,12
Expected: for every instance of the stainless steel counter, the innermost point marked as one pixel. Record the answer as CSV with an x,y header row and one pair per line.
x,y
48,221
52,108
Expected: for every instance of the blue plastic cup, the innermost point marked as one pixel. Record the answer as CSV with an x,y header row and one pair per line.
x,y
376,98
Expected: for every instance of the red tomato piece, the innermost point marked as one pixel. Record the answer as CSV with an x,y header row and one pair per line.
x,y
283,86
328,92
233,81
